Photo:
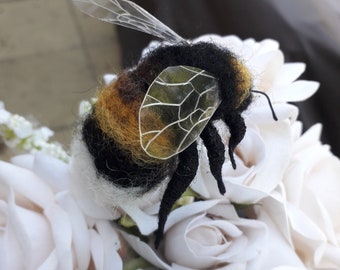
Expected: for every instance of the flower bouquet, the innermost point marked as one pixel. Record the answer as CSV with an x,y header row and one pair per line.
x,y
279,211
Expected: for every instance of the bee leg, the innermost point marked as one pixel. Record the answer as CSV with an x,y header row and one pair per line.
x,y
180,181
216,149
237,129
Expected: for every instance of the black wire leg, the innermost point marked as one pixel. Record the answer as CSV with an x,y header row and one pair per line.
x,y
237,129
180,181
216,149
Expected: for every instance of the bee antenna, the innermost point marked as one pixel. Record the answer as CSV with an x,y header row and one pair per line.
x,y
269,102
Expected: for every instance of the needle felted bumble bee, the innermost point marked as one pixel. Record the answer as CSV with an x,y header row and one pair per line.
x,y
142,131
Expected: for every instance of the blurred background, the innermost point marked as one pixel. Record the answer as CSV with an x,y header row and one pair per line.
x,y
52,56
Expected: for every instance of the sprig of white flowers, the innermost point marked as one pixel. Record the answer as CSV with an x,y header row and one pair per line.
x,y
85,106
17,132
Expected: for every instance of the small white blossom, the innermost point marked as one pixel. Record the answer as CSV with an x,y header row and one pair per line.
x,y
86,106
109,78
17,132
4,116
20,126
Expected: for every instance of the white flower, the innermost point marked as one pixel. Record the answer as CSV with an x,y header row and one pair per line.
x,y
41,225
20,133
84,107
207,234
4,115
264,152
20,126
204,235
109,78
211,235
261,155
312,184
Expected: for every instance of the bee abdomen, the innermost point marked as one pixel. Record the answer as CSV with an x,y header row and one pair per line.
x,y
115,164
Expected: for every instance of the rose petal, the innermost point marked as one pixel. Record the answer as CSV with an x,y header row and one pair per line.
x,y
182,212
275,206
242,194
145,223
266,66
278,145
260,113
52,170
309,138
62,234
234,266
80,233
256,235
25,161
287,267
111,244
97,250
288,73
50,263
26,232
274,241
303,225
296,91
26,183
267,45
327,256
145,251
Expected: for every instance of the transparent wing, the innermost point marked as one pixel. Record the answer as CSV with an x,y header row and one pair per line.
x,y
127,14
178,105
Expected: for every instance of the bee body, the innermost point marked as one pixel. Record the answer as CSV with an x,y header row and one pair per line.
x,y
115,114
142,131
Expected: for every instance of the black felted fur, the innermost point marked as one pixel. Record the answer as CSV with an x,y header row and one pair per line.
x,y
206,56
116,166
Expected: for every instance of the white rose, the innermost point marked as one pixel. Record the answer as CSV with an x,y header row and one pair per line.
x,y
263,154
41,225
212,235
206,234
261,158
312,185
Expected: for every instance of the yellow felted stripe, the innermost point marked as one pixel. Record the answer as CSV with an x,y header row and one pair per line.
x,y
119,121
244,80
